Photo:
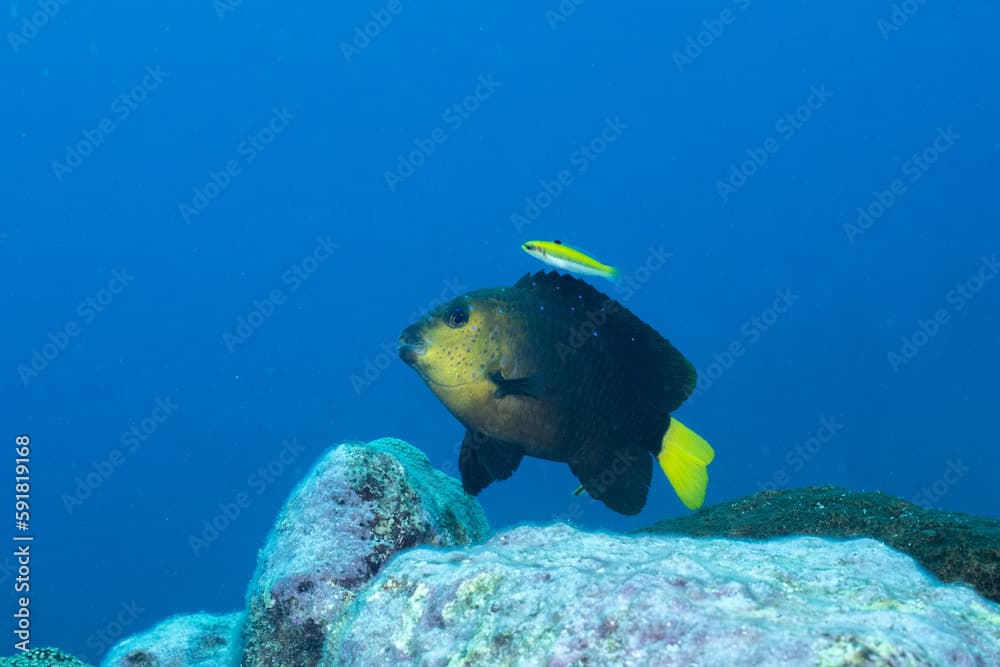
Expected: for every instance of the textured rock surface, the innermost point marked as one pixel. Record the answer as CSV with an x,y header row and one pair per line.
x,y
197,640
560,596
42,657
955,547
360,505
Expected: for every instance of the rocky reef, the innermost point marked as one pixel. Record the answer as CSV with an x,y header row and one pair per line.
x,y
194,640
42,657
360,505
955,547
377,559
560,596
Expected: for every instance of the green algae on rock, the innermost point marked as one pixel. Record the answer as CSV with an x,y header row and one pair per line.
x,y
42,657
956,547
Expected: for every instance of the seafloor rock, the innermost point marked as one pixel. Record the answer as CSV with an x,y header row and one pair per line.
x,y
360,505
42,657
956,547
196,640
559,596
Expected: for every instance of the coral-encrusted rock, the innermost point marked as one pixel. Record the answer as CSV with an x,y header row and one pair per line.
x,y
956,547
360,505
42,657
559,596
196,640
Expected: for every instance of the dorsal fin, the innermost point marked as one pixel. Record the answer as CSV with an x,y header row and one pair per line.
x,y
560,281
525,280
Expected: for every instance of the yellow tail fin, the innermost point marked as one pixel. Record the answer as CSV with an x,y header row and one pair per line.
x,y
684,457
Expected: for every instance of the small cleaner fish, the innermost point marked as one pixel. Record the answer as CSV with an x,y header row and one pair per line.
x,y
567,258
555,369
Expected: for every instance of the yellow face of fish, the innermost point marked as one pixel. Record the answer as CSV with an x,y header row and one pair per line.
x,y
455,345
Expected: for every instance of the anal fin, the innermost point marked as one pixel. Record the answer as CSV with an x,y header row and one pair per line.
x,y
617,477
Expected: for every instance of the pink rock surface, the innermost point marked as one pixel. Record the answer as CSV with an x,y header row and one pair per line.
x,y
559,596
359,505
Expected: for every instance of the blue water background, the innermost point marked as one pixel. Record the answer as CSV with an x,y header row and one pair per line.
x,y
810,395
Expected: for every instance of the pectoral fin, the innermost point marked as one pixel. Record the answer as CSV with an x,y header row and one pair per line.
x,y
532,385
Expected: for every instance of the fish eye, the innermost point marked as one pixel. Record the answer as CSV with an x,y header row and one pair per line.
x,y
457,318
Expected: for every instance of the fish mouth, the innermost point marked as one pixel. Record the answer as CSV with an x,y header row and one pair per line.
x,y
411,345
410,352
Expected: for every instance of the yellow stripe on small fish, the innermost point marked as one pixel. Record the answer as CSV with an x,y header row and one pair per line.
x,y
568,258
